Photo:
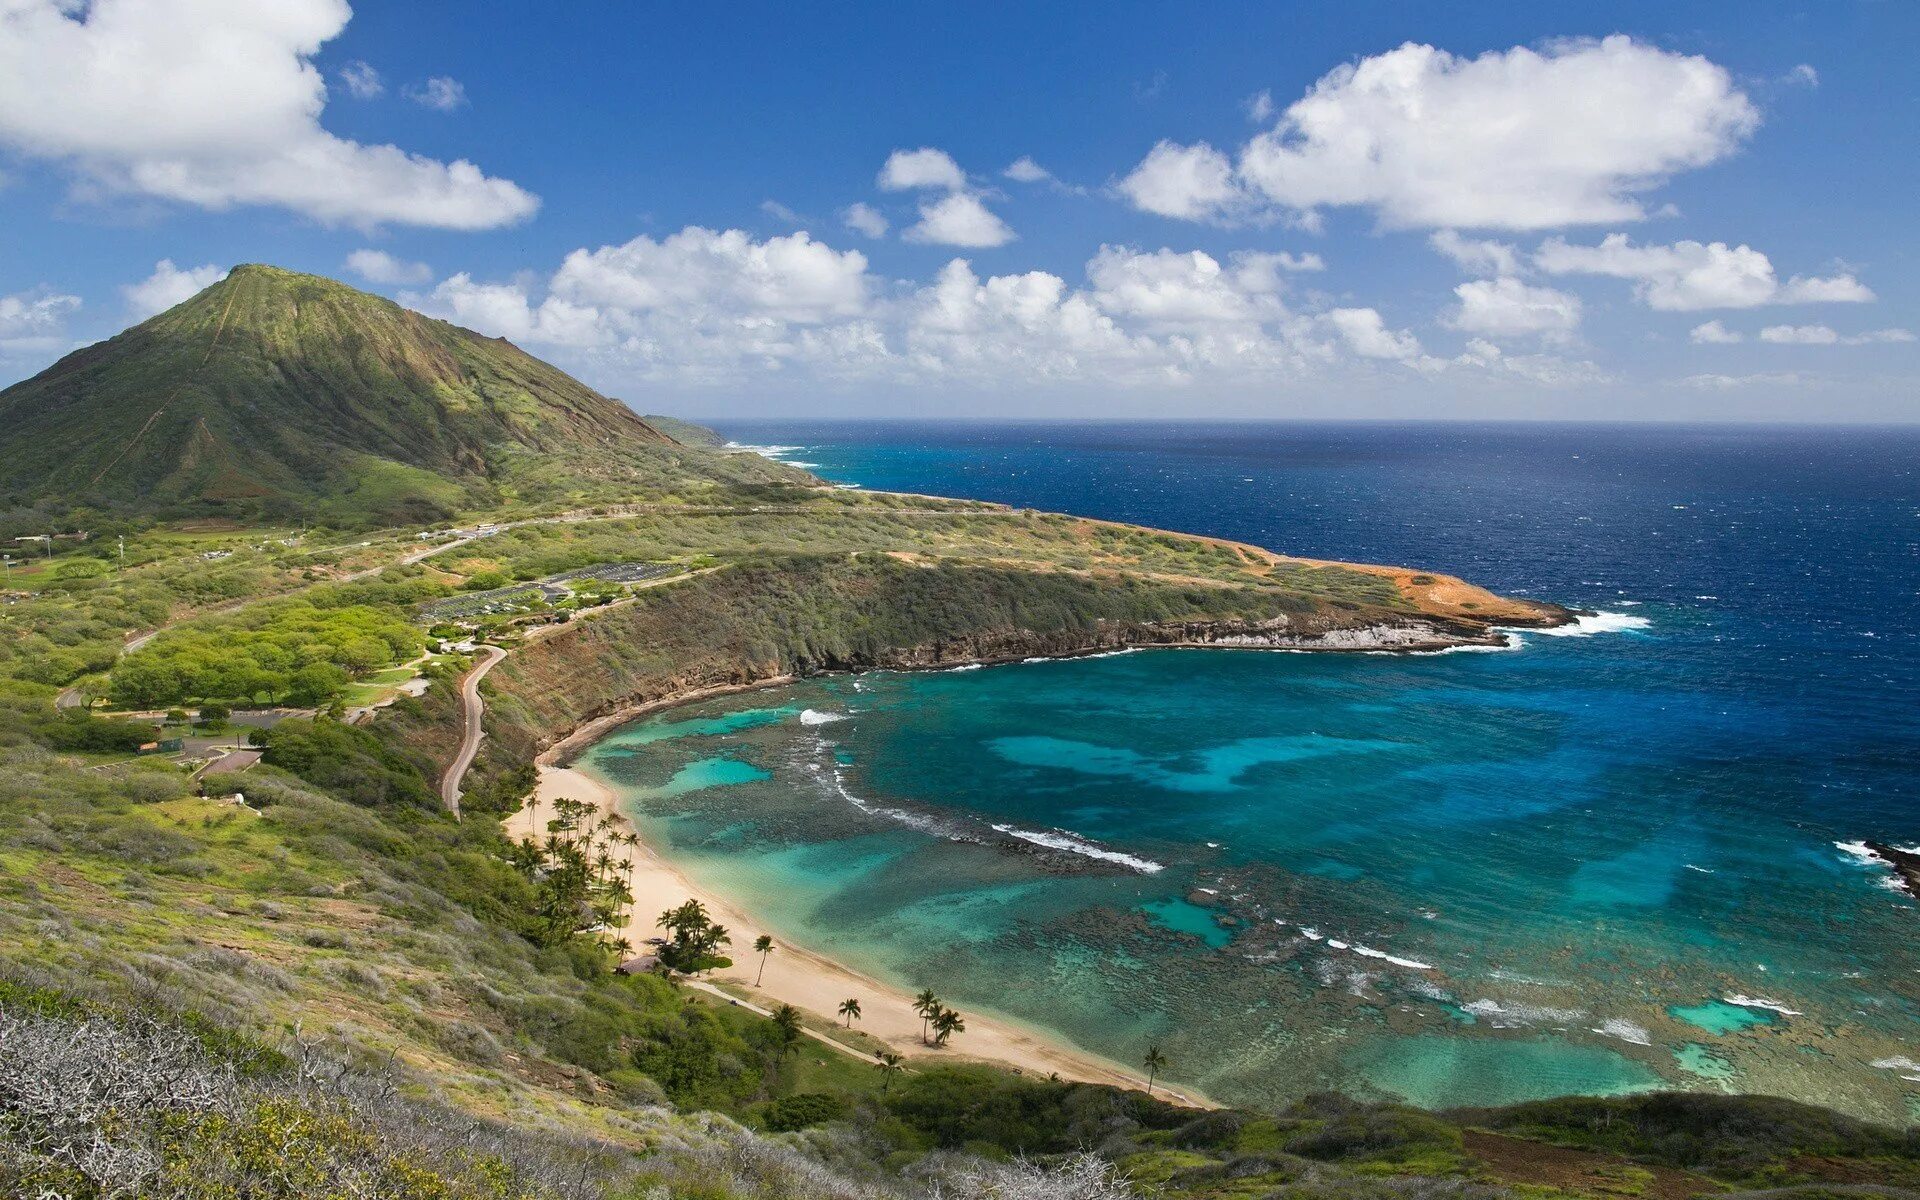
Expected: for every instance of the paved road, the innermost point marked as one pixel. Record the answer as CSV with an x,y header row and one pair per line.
x,y
472,710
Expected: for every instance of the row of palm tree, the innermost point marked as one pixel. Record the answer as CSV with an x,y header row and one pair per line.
x,y
937,1018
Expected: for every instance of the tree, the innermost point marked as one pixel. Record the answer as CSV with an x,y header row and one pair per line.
x,y
786,1025
763,946
926,1004
890,1064
1155,1062
946,1023
850,1009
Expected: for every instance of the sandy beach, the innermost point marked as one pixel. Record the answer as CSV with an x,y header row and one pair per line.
x,y
810,981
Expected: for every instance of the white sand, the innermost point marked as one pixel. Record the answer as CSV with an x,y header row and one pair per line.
x,y
797,976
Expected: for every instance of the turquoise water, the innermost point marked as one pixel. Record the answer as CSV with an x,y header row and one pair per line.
x,y
1595,863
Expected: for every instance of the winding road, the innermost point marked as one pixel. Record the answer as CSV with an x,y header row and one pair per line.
x,y
471,710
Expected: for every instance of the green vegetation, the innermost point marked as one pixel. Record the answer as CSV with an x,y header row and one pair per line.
x,y
273,391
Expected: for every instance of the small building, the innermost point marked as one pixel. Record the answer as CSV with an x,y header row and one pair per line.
x,y
642,964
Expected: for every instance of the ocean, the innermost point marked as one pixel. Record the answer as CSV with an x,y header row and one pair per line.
x,y
1615,858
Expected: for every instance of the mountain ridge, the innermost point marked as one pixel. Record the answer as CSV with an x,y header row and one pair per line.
x,y
273,390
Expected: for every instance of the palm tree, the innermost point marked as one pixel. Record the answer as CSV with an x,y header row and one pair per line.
x,y
762,945
850,1009
786,1023
889,1064
926,1004
1155,1062
946,1023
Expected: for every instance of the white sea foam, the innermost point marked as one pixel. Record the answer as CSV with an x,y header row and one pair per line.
x,y
1862,853
1702,870
965,667
1626,1031
813,716
1589,624
1898,1063
1412,963
1510,1016
1073,844
1761,1002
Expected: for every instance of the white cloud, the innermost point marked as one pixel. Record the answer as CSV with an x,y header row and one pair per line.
x,y
1571,134
34,323
907,170
1688,276
781,212
1188,182
1546,370
1259,106
1479,257
1713,333
377,266
1804,75
442,93
1826,335
1025,170
1838,289
362,81
1506,307
865,220
1367,335
168,286
707,308
959,219
216,103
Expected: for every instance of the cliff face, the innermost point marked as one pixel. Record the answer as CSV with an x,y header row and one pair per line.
x,y
751,624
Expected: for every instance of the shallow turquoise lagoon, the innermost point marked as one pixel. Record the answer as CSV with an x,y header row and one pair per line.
x,y
1458,879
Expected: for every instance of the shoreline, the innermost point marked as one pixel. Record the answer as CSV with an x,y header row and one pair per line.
x,y
804,977
814,982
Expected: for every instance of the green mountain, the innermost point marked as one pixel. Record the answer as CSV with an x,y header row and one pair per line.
x,y
273,391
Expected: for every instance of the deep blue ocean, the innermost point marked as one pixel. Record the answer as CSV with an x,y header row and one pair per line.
x,y
1593,863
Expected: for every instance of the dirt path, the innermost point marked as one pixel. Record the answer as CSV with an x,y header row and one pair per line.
x,y
472,709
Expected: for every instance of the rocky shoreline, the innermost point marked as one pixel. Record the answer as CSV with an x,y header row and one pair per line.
x,y
1415,635
1905,865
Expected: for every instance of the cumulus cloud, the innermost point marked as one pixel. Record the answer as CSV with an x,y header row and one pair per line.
x,y
1571,134
1367,335
959,219
1713,333
1479,257
1802,75
1687,276
35,322
1826,335
1259,106
362,81
707,307
1025,170
442,93
377,266
168,286
1506,307
139,97
908,170
865,220
1192,183
1546,370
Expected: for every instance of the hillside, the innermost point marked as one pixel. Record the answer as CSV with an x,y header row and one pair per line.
x,y
276,392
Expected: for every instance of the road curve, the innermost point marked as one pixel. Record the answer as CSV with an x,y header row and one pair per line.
x,y
472,708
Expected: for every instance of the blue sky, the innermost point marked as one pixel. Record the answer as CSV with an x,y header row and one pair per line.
x,y
1669,211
